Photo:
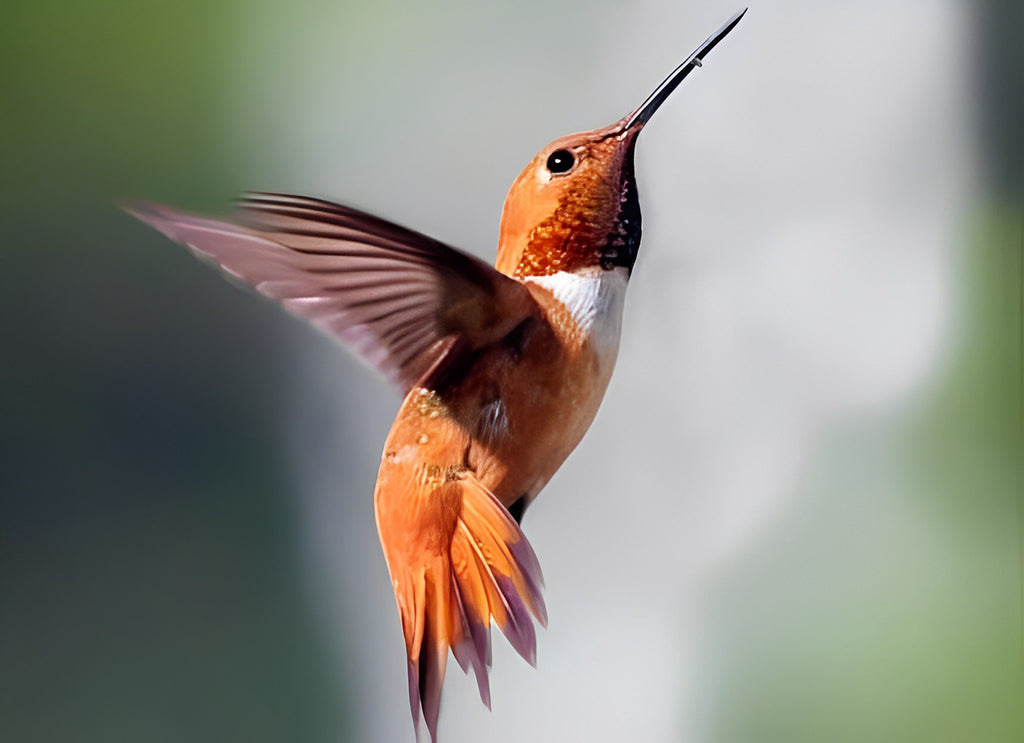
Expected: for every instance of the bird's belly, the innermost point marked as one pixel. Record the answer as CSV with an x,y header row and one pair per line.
x,y
550,399
545,426
524,405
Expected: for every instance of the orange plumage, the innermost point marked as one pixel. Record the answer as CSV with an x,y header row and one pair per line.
x,y
502,369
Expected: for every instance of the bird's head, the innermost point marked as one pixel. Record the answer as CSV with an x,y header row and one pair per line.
x,y
575,205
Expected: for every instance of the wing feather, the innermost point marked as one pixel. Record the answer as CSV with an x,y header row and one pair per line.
x,y
401,300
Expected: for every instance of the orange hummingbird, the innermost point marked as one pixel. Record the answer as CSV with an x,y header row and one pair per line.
x,y
502,369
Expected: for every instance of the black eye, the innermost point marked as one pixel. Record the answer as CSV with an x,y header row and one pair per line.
x,y
560,161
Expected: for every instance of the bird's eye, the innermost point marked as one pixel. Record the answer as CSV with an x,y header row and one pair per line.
x,y
560,161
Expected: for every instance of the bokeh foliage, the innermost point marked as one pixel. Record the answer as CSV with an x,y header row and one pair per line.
x,y
150,580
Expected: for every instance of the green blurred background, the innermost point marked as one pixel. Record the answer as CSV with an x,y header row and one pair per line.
x,y
160,577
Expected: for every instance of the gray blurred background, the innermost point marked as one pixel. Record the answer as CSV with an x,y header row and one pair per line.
x,y
798,515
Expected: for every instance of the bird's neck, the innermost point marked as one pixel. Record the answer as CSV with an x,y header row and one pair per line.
x,y
587,304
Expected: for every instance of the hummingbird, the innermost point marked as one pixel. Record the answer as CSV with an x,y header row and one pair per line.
x,y
502,368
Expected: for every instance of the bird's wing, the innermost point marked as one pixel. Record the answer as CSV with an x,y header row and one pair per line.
x,y
404,302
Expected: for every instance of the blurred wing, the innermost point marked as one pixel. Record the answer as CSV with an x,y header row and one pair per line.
x,y
403,301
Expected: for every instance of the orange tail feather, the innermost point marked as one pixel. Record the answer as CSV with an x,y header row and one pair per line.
x,y
457,560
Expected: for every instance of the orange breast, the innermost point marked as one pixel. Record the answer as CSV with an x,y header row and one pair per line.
x,y
515,416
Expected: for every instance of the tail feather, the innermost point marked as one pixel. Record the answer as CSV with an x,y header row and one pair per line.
x,y
473,651
448,594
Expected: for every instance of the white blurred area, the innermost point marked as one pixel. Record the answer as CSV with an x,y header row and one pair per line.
x,y
803,195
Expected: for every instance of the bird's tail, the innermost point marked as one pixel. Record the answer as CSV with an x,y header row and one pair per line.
x,y
457,560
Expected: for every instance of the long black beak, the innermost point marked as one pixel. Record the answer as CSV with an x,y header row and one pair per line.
x,y
640,117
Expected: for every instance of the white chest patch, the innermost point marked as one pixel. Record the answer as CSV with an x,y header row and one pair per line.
x,y
594,298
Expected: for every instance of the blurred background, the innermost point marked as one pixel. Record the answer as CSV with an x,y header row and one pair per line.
x,y
798,516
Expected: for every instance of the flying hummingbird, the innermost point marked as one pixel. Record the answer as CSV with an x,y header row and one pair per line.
x,y
502,369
